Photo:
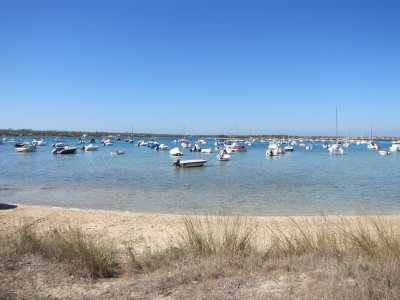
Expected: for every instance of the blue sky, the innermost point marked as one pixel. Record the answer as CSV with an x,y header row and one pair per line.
x,y
203,67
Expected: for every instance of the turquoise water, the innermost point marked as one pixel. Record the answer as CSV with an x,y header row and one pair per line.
x,y
143,180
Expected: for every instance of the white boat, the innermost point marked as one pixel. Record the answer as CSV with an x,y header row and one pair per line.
x,y
336,150
58,145
175,152
90,147
289,148
142,143
395,146
223,156
373,146
273,150
65,150
161,147
383,152
39,142
107,142
206,150
189,163
118,152
25,147
185,144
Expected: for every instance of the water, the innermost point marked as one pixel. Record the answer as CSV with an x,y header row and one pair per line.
x,y
143,180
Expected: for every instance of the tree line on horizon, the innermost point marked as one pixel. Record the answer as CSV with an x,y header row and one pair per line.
x,y
51,133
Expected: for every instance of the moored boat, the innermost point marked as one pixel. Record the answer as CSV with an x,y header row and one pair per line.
x,y
24,147
118,152
189,163
383,152
175,152
90,147
65,150
223,156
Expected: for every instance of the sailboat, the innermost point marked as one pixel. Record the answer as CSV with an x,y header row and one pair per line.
x,y
371,144
335,148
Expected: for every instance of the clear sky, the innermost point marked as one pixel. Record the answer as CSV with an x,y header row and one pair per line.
x,y
201,66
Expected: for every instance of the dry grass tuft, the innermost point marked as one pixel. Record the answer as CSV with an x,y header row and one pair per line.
x,y
70,245
371,236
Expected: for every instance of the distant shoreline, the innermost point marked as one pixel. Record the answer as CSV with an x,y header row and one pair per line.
x,y
57,133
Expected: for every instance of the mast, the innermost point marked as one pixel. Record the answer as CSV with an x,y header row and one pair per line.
x,y
336,126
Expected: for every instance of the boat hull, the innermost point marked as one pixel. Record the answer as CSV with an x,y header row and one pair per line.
x,y
189,163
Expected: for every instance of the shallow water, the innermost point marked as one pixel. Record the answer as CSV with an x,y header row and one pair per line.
x,y
143,180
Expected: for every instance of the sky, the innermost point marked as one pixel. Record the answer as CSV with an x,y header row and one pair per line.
x,y
201,66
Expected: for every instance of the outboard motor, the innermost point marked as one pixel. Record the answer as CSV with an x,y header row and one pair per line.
x,y
176,163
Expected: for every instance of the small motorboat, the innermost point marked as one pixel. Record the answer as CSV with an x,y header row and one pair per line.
x,y
59,145
24,147
65,150
189,163
175,152
336,150
395,147
373,146
107,142
209,150
196,148
383,152
39,142
289,148
142,143
90,147
223,156
238,148
118,152
161,147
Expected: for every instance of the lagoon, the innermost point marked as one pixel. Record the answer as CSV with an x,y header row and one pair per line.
x,y
304,182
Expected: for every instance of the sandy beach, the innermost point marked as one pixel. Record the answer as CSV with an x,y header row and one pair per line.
x,y
141,229
308,272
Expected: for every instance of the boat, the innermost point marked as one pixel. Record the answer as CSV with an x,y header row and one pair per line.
x,y
107,142
24,147
118,152
65,150
58,145
236,148
289,148
209,150
175,152
373,146
335,149
90,147
273,150
223,156
189,163
383,152
395,146
196,148
141,143
39,142
161,147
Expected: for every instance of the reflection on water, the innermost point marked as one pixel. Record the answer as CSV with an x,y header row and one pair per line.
x,y
142,180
